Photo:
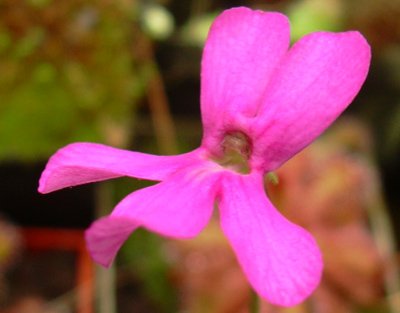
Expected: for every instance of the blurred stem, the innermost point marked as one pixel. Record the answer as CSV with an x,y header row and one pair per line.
x,y
105,278
254,302
159,108
162,120
383,233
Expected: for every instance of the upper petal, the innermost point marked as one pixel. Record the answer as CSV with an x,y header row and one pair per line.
x,y
178,207
242,50
315,82
81,163
280,259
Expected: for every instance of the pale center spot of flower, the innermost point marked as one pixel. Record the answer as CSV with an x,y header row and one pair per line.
x,y
237,149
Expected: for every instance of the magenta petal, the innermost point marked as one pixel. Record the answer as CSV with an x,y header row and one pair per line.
x,y
105,236
178,207
242,50
280,259
81,163
316,81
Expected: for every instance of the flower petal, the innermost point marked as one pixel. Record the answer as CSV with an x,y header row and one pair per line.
x,y
316,81
105,237
242,50
178,207
280,259
81,163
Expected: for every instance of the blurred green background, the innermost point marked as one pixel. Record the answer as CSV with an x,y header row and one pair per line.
x,y
126,73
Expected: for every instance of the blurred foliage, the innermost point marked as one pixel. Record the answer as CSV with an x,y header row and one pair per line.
x,y
145,254
68,72
10,246
308,16
157,21
195,31
379,21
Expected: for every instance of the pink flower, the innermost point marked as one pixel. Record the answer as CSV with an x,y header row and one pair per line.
x,y
262,102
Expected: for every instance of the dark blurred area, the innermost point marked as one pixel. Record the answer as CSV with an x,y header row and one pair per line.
x,y
127,73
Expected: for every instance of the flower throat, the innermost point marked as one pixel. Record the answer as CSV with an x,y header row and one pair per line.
x,y
236,147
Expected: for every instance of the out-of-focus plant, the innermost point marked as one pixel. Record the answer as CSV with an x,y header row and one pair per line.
x,y
10,246
147,258
157,21
379,21
308,16
68,72
195,31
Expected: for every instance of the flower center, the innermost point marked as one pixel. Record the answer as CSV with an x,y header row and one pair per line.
x,y
236,147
